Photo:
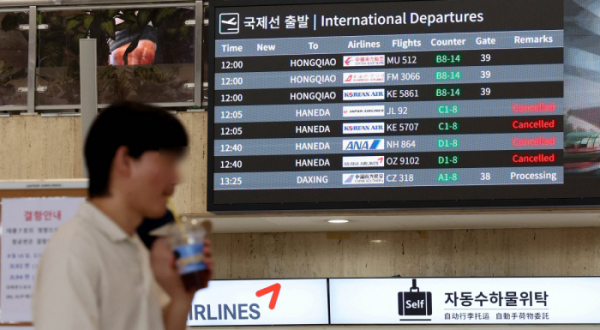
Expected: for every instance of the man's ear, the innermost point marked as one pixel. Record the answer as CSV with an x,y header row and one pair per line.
x,y
122,162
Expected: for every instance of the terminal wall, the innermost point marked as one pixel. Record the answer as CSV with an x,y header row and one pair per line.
x,y
35,147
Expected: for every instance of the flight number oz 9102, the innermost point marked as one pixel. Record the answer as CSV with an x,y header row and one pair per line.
x,y
403,161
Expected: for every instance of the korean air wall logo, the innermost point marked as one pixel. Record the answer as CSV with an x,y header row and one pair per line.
x,y
364,60
364,94
229,23
363,178
364,128
414,302
358,145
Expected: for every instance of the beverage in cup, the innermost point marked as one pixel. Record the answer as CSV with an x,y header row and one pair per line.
x,y
187,240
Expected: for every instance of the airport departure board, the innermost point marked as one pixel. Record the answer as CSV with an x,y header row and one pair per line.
x,y
393,104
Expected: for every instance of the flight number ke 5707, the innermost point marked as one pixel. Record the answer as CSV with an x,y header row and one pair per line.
x,y
402,127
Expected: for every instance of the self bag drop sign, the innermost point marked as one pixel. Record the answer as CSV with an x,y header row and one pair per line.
x,y
465,301
261,302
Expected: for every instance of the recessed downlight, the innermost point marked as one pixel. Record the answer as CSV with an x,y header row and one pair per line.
x,y
338,221
378,241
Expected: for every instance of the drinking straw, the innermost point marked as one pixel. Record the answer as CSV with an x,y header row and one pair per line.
x,y
178,220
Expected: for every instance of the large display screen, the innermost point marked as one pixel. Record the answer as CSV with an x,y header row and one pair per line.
x,y
403,104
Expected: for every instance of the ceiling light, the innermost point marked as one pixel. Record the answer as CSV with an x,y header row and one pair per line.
x,y
378,241
337,221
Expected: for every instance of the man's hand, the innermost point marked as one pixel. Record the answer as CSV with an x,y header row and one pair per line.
x,y
162,261
165,271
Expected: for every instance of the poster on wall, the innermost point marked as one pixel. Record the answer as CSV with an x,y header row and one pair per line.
x,y
261,302
27,225
564,300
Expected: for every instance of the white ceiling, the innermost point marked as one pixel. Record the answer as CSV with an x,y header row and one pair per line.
x,y
394,221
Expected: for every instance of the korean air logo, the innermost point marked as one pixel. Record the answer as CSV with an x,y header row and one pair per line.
x,y
359,145
229,23
364,94
364,128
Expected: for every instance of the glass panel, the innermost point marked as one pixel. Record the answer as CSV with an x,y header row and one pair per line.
x,y
13,58
145,55
58,56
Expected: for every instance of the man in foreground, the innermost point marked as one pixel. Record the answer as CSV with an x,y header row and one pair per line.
x,y
95,273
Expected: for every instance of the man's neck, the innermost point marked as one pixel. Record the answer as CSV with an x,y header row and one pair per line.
x,y
118,211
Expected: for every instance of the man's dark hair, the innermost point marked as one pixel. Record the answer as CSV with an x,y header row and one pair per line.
x,y
137,126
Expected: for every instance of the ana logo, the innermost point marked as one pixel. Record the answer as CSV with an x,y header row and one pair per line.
x,y
364,111
356,145
229,23
364,128
364,77
364,60
369,161
364,94
414,302
363,178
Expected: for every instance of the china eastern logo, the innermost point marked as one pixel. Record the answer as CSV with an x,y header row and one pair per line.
x,y
414,302
364,60
250,310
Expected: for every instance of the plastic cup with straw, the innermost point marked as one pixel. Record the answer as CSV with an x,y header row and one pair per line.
x,y
187,240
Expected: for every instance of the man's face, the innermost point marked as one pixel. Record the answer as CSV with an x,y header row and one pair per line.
x,y
152,180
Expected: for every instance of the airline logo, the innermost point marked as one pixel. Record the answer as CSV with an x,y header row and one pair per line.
x,y
358,145
364,94
364,77
363,178
364,128
364,60
260,302
364,111
369,161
